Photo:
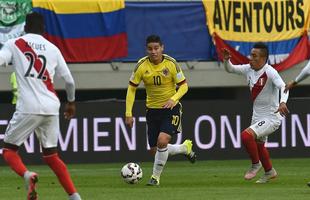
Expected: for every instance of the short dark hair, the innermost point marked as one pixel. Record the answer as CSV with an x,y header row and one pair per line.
x,y
34,23
153,38
263,48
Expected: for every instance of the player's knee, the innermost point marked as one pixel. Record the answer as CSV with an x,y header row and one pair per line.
x,y
162,141
49,151
246,136
153,150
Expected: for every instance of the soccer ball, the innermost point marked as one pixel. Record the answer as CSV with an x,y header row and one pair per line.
x,y
131,173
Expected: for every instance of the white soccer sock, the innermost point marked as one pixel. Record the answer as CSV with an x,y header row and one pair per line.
x,y
175,149
161,158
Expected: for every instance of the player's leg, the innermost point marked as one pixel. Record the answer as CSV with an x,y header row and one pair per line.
x,y
153,129
264,156
174,126
19,129
270,172
248,139
264,128
161,158
47,134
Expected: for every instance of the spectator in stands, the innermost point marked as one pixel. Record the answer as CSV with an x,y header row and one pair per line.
x,y
36,60
160,74
305,72
265,83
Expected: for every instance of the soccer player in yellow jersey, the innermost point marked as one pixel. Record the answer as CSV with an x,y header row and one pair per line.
x,y
161,75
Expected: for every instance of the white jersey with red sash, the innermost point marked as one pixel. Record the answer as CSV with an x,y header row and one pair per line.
x,y
35,61
265,86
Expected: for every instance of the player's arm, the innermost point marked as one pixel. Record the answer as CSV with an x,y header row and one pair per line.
x,y
131,94
180,80
130,99
229,67
63,71
305,72
183,88
279,83
5,55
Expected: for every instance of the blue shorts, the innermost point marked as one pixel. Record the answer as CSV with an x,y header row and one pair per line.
x,y
163,120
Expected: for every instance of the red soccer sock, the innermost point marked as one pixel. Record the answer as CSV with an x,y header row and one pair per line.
x,y
12,158
264,156
250,145
61,171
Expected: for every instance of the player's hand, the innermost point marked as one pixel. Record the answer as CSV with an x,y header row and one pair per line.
x,y
169,104
225,54
283,109
289,86
129,121
69,110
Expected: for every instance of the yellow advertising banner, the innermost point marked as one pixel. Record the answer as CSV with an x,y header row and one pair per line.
x,y
257,20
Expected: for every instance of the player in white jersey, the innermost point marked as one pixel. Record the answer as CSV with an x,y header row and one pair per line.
x,y
265,84
36,61
305,72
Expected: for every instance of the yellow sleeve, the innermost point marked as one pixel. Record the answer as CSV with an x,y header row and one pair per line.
x,y
130,98
181,91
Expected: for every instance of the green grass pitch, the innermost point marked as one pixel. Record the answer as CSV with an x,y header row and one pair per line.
x,y
205,180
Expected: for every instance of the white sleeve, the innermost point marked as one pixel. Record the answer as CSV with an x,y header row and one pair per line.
x,y
5,55
63,71
70,87
238,69
305,72
279,83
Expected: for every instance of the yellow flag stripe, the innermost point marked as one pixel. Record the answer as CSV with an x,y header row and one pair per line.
x,y
80,6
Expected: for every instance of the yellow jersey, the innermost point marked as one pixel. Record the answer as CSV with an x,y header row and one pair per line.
x,y
160,80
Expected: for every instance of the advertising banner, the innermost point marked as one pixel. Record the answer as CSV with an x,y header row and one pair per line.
x,y
98,132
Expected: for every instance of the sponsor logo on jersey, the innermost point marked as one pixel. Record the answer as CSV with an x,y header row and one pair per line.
x,y
261,81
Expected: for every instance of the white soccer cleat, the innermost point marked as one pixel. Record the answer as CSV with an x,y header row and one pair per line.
x,y
268,176
75,196
251,173
31,178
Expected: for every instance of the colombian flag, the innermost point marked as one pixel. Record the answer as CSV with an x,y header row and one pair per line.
x,y
85,31
282,25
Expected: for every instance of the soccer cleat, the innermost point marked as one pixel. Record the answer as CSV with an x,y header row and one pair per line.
x,y
271,174
251,173
190,154
31,178
153,181
308,184
75,196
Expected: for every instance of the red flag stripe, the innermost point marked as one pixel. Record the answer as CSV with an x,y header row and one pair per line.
x,y
300,53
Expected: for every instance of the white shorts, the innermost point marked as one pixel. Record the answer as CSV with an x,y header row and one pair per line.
x,y
265,127
21,126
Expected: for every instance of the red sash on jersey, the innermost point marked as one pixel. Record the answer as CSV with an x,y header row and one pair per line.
x,y
24,47
258,86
